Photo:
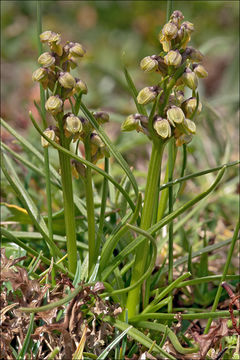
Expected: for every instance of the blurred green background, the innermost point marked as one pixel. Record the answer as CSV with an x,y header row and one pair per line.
x,y
117,32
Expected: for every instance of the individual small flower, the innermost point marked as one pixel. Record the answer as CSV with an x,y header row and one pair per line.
x,y
149,63
176,17
170,31
72,125
54,44
46,59
147,95
77,50
66,80
50,133
192,54
189,107
175,115
183,139
190,79
162,127
190,126
200,71
41,75
81,86
166,44
54,105
98,148
102,117
188,26
136,122
45,36
173,58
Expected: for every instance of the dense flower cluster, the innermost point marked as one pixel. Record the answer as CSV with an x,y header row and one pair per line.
x,y
54,75
178,66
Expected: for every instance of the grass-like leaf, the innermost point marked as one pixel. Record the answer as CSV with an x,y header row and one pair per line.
x,y
111,346
28,203
113,150
27,339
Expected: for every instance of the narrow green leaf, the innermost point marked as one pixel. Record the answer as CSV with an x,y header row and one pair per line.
x,y
138,336
28,203
113,150
111,346
173,338
27,339
134,92
28,146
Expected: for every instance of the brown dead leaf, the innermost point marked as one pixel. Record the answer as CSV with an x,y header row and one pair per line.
x,y
217,331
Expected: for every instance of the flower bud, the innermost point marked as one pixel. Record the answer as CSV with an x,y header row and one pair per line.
x,y
189,107
54,43
46,59
192,54
41,75
176,17
81,86
173,58
170,31
200,71
149,63
188,26
66,80
45,36
183,139
162,127
77,50
147,95
131,123
101,116
50,134
72,125
190,126
190,79
54,105
175,115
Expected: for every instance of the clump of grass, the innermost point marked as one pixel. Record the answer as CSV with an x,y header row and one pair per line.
x,y
108,248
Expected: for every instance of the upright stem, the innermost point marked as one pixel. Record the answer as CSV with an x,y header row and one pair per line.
x,y
90,208
45,150
69,213
146,220
171,161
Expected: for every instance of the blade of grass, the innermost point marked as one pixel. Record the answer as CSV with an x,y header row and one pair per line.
x,y
138,336
190,316
28,203
27,163
111,346
27,339
223,278
173,338
15,240
200,173
28,146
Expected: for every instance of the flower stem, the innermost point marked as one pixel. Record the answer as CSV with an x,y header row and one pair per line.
x,y
90,207
46,154
146,221
69,214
